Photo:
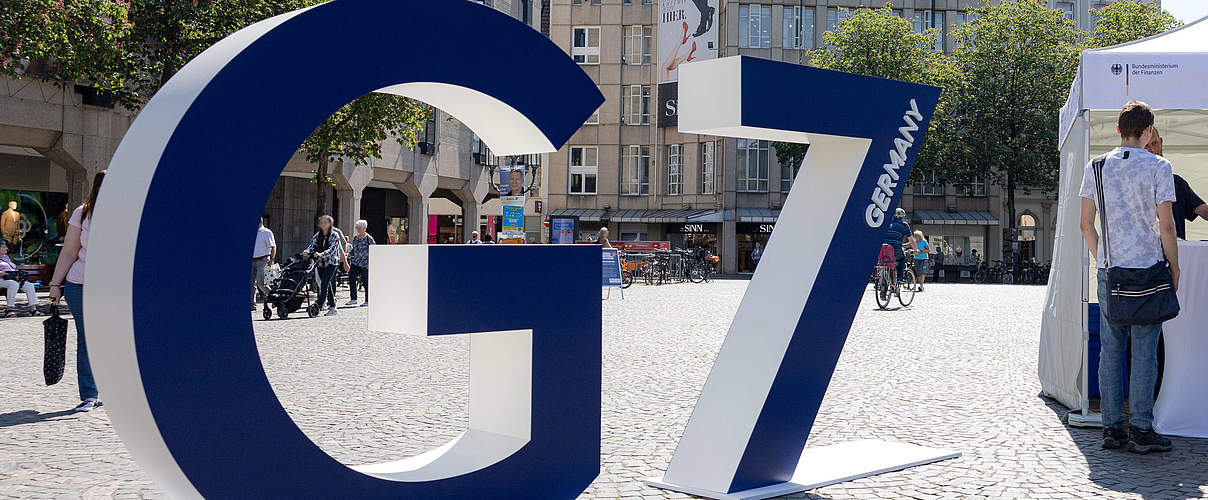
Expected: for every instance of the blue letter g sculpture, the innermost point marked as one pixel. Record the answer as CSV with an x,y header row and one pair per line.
x,y
180,370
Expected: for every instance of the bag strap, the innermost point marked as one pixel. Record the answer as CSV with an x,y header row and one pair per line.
x,y
1097,166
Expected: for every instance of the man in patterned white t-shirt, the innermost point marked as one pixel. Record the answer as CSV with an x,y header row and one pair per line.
x,y
1138,189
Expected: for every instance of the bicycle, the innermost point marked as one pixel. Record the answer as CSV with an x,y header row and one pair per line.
x,y
886,287
700,269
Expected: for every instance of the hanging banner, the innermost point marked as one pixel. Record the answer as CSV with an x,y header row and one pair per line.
x,y
687,32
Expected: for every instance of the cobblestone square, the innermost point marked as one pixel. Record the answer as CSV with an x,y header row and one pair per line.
x,y
956,370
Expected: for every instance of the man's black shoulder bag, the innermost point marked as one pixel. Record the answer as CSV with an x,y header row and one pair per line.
x,y
1136,296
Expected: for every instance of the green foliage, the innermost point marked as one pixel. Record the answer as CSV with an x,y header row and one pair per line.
x,y
1016,61
876,42
130,48
1128,20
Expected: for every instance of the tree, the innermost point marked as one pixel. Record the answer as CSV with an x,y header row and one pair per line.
x,y
130,48
356,132
1016,61
876,42
1125,21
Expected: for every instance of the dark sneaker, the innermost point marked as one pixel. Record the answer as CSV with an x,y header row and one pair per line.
x,y
87,405
1114,438
1145,441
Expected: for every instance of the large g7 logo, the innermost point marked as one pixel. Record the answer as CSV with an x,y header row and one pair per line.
x,y
180,369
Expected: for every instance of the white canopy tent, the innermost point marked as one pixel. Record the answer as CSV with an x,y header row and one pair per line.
x,y
1166,71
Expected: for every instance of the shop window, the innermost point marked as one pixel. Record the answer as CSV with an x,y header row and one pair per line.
x,y
707,154
635,170
753,160
675,169
754,26
583,169
636,103
585,44
798,27
637,44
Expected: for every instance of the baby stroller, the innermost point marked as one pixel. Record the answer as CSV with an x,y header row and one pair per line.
x,y
292,289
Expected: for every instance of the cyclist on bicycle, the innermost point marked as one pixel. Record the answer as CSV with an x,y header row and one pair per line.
x,y
895,237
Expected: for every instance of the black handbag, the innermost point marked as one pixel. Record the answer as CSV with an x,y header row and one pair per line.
x,y
1136,296
54,329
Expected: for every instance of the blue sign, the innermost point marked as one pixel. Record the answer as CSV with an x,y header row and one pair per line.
x,y
513,218
612,267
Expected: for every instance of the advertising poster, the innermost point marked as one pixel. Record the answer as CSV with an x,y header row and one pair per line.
x,y
511,181
612,267
511,193
687,32
562,230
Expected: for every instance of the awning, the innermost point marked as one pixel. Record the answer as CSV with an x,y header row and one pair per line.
x,y
758,215
584,214
943,217
665,216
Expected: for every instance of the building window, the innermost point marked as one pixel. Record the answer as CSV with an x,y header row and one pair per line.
x,y
526,12
927,19
1067,8
583,169
594,119
637,44
488,3
919,21
675,169
635,170
753,160
754,26
788,173
585,44
636,103
975,188
835,16
706,168
798,27
427,137
961,18
928,185
480,151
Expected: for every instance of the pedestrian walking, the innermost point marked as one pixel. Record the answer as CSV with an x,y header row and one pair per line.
x,y
263,253
756,254
1130,188
602,238
326,247
68,282
358,262
922,258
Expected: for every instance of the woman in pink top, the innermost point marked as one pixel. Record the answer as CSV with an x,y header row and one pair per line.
x,y
71,267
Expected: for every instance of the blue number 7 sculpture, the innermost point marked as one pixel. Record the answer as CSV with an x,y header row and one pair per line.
x,y
746,435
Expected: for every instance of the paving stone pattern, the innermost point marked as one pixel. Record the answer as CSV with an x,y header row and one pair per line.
x,y
956,370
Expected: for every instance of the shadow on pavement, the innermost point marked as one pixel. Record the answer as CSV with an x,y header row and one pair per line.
x,y
30,417
1181,473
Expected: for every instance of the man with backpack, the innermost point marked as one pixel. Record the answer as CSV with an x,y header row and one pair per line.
x,y
1131,189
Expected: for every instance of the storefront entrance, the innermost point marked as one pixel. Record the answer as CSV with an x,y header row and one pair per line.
x,y
693,235
750,234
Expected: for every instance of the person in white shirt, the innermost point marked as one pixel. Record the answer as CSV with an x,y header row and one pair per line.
x,y
263,253
474,240
1138,190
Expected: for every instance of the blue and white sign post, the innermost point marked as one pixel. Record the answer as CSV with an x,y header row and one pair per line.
x,y
180,371
747,433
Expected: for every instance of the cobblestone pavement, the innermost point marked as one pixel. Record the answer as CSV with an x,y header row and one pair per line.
x,y
956,370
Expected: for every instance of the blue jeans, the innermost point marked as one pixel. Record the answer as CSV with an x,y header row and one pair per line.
x,y
1143,373
357,273
74,294
327,286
